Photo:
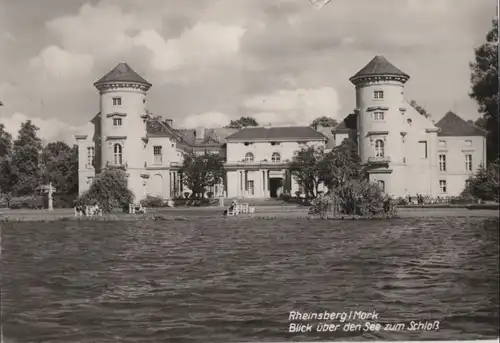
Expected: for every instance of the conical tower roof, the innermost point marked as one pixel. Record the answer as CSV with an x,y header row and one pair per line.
x,y
379,65
122,73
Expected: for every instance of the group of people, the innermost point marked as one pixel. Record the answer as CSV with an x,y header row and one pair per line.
x,y
81,210
419,197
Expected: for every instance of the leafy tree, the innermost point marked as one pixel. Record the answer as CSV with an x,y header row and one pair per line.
x,y
323,121
5,159
242,122
109,190
202,171
419,109
306,167
484,79
341,164
484,185
26,161
60,166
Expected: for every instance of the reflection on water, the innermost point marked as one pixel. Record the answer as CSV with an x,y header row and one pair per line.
x,y
229,280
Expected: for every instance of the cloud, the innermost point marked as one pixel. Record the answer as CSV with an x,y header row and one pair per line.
x,y
208,119
203,44
61,63
50,129
298,107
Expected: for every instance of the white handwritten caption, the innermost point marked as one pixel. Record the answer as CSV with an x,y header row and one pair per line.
x,y
344,322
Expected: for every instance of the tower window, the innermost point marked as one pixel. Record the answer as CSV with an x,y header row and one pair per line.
x,y
117,121
157,153
90,156
378,115
118,154
379,148
117,101
378,95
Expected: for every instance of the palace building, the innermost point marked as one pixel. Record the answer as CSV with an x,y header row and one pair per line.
x,y
404,151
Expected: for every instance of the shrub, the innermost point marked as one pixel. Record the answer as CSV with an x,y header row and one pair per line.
x,y
152,201
210,195
354,197
109,190
484,185
186,195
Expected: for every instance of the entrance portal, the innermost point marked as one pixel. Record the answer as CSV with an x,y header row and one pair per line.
x,y
275,183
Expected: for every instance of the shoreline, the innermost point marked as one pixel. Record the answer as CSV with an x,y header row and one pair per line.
x,y
211,213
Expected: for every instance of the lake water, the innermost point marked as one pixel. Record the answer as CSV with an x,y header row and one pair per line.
x,y
228,280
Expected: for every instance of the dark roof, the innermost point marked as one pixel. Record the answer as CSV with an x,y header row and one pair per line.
x,y
452,125
211,137
379,65
122,73
346,125
276,133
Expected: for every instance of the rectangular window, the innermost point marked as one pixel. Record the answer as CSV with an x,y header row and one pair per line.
x,y
90,156
468,162
378,94
117,101
157,152
422,149
251,187
117,121
442,186
442,144
468,142
442,162
378,115
467,184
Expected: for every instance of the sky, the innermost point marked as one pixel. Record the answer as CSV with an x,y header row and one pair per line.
x,y
284,62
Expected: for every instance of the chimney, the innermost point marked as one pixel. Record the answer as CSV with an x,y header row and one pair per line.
x,y
199,133
169,122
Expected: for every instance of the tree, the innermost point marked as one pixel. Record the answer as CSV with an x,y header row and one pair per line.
x,y
484,185
340,165
5,159
484,80
60,166
323,121
109,190
242,122
419,109
202,171
26,171
306,167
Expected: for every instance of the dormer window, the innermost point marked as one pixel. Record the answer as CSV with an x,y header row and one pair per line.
x,y
378,95
378,115
117,101
275,143
117,121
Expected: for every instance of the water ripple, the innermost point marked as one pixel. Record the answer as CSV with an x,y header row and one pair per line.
x,y
221,280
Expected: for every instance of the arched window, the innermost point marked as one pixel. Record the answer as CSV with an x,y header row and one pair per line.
x,y
118,154
379,148
249,157
276,157
381,185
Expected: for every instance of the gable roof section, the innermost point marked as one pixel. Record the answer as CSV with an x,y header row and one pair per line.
x,y
276,133
452,125
379,65
122,73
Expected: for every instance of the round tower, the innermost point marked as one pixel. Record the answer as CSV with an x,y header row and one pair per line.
x,y
379,107
122,103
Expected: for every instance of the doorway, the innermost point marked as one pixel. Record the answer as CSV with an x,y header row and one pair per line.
x,y
275,183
